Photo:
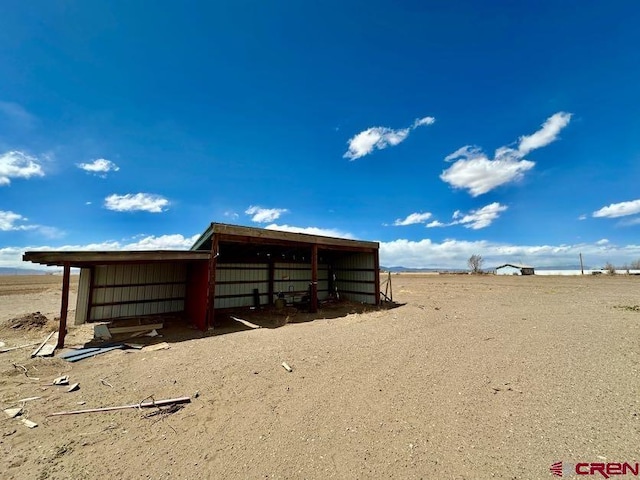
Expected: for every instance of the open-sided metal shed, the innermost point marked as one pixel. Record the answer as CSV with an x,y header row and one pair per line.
x,y
229,266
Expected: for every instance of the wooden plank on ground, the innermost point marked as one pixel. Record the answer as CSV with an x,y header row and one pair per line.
x,y
157,346
136,328
4,350
35,352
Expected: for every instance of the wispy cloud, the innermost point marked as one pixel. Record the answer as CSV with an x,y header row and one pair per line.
x,y
474,171
547,134
480,218
475,219
16,164
136,202
413,219
11,221
231,215
17,114
99,167
436,224
616,210
379,138
324,232
264,215
419,122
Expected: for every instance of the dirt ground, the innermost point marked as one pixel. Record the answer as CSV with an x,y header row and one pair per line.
x,y
473,377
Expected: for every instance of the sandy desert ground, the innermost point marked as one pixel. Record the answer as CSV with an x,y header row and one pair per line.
x,y
473,377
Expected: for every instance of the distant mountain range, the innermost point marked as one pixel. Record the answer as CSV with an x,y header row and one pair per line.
x,y
22,271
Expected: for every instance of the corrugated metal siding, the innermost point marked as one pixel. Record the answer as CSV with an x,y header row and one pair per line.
x,y
82,302
138,289
296,277
235,282
356,278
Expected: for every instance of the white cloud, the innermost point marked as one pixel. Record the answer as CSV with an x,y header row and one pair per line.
x,y
379,138
162,242
100,167
604,241
419,122
413,218
324,232
478,174
232,215
480,218
547,134
264,215
375,138
131,202
16,164
474,171
9,221
582,217
435,224
621,209
453,254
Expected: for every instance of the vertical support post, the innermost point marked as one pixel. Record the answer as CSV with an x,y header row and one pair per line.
x,y
213,263
64,307
314,279
271,280
581,266
376,273
390,287
92,282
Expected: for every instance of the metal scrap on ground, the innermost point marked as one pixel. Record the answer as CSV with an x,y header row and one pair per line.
x,y
75,355
158,403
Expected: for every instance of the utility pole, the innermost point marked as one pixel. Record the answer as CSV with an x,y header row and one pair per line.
x,y
581,266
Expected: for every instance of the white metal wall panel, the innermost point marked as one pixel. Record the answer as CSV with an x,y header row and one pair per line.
x,y
82,302
235,282
138,289
247,277
355,277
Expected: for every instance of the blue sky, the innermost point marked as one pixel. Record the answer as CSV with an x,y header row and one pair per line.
x,y
441,129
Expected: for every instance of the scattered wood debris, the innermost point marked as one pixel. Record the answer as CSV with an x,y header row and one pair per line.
x,y
64,380
157,346
28,423
26,372
245,322
10,349
153,403
13,412
105,383
46,349
287,367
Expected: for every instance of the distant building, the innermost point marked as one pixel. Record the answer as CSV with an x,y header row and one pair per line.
x,y
514,269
